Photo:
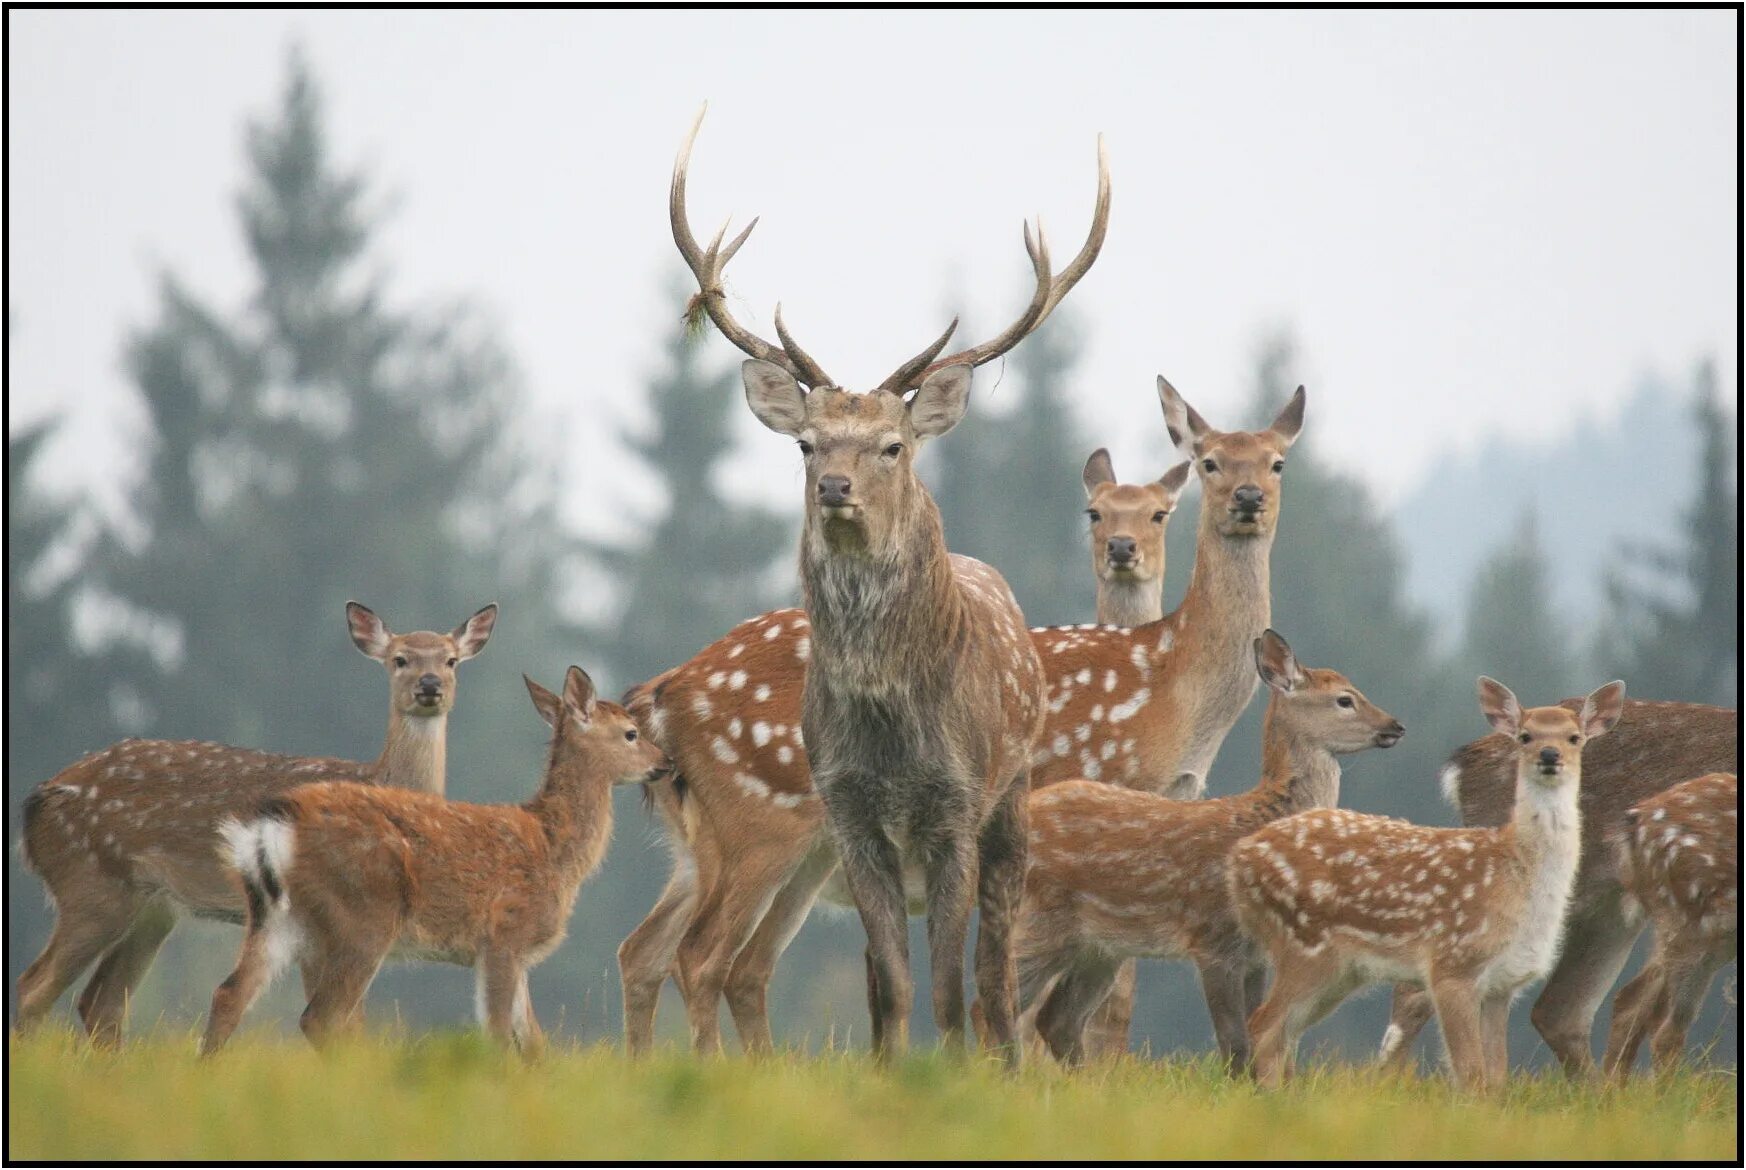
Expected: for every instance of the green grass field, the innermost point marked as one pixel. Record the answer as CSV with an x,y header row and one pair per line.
x,y
450,1096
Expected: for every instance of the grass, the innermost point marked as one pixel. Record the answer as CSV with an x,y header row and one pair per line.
x,y
450,1096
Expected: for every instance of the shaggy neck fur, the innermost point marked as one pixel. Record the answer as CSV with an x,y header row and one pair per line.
x,y
882,619
416,754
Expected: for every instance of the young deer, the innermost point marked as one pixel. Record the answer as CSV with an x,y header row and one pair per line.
x,y
338,875
127,838
1340,900
923,695
1127,540
1680,855
1117,874
1655,746
1140,706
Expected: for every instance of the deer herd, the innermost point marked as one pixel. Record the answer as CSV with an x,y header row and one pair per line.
x,y
903,744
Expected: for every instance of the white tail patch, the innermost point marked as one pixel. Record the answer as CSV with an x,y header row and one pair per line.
x,y
1449,780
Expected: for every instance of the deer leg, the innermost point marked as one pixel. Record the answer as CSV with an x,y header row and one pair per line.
x,y
951,872
84,930
1062,1018
502,982
1254,983
648,953
1494,1022
875,875
1635,1008
1221,982
1457,1000
346,974
723,923
1410,1012
748,981
1686,980
1595,950
1106,1034
528,1036
1299,984
1003,852
253,973
103,1003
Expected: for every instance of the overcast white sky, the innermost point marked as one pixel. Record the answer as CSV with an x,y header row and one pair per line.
x,y
1473,220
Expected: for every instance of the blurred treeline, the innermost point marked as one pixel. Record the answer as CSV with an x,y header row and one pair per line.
x,y
321,442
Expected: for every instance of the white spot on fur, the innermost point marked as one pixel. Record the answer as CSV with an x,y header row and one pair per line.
x,y
760,733
752,785
724,751
1449,780
761,694
736,680
785,754
1166,640
772,632
803,649
1122,712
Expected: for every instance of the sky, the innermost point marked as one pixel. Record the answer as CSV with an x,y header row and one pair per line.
x,y
1473,222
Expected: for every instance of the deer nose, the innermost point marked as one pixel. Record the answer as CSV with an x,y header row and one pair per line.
x,y
833,490
1121,549
429,684
1248,498
1548,756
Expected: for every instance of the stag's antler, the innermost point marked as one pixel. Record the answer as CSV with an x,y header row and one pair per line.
x,y
1043,302
707,265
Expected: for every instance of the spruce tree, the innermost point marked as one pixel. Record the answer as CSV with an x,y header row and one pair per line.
x,y
705,563
1672,628
1512,630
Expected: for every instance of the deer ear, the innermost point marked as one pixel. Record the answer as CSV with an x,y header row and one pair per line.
x,y
1289,421
1098,471
1186,427
941,402
774,396
1174,480
1276,664
550,707
1499,706
1601,710
368,632
471,635
579,693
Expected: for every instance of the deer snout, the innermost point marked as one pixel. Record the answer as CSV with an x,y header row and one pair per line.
x,y
1391,735
1248,498
833,491
1549,758
1121,550
429,687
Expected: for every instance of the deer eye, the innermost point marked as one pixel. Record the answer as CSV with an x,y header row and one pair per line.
x,y
1278,466
400,661
894,450
1524,737
451,663
1209,466
1096,516
1158,517
631,735
1576,739
805,447
1344,701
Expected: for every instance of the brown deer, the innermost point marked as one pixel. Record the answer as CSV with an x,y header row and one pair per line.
x,y
1339,900
1117,874
1128,522
1681,863
923,695
338,875
1140,706
1655,746
127,838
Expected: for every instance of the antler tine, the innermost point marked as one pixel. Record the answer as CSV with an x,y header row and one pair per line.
x,y
1058,288
1038,249
810,371
908,373
707,266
